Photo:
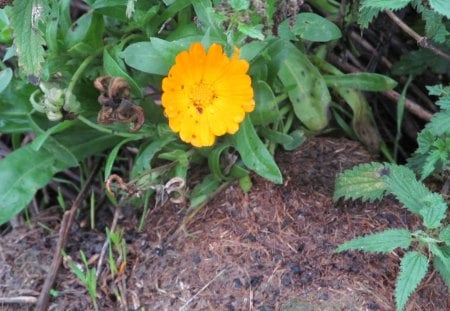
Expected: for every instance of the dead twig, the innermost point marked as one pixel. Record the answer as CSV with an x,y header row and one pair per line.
x,y
421,41
412,106
18,300
202,289
66,224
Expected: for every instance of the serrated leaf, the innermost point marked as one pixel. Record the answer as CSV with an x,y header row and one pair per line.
x,y
433,211
382,242
444,235
402,182
385,4
254,153
439,124
441,6
413,268
366,15
443,265
416,62
28,38
363,181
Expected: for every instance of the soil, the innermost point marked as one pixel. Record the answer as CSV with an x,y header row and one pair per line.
x,y
269,249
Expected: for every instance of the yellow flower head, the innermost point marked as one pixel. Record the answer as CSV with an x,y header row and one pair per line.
x,y
206,94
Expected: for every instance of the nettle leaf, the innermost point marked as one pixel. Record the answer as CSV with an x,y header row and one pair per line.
x,y
363,181
433,211
26,17
443,264
366,15
413,268
444,235
5,78
439,124
402,182
315,28
441,6
254,153
385,4
382,242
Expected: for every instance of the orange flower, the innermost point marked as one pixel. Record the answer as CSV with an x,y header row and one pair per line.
x,y
206,95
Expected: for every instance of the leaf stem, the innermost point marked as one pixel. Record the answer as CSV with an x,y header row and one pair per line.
x,y
102,129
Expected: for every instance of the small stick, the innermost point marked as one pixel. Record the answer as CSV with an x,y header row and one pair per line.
x,y
18,299
202,289
421,41
66,224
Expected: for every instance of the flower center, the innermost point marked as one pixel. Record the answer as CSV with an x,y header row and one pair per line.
x,y
202,95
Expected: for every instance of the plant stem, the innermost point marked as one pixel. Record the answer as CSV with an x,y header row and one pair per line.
x,y
102,129
421,41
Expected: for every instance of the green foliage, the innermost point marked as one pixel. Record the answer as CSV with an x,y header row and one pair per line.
x,y
385,4
313,27
26,20
382,242
87,276
413,268
363,181
415,197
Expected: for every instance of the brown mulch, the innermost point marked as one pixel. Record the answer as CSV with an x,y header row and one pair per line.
x,y
269,249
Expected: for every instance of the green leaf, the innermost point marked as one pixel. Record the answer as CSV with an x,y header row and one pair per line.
x,y
439,124
401,181
113,155
366,15
266,108
113,69
305,86
85,36
5,78
362,81
239,5
206,16
254,153
298,138
382,242
443,265
385,4
413,268
203,191
26,16
444,235
145,157
156,56
315,28
26,170
15,106
441,6
363,181
254,32
433,211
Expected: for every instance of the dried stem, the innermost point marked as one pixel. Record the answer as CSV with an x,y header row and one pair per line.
x,y
66,224
421,41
